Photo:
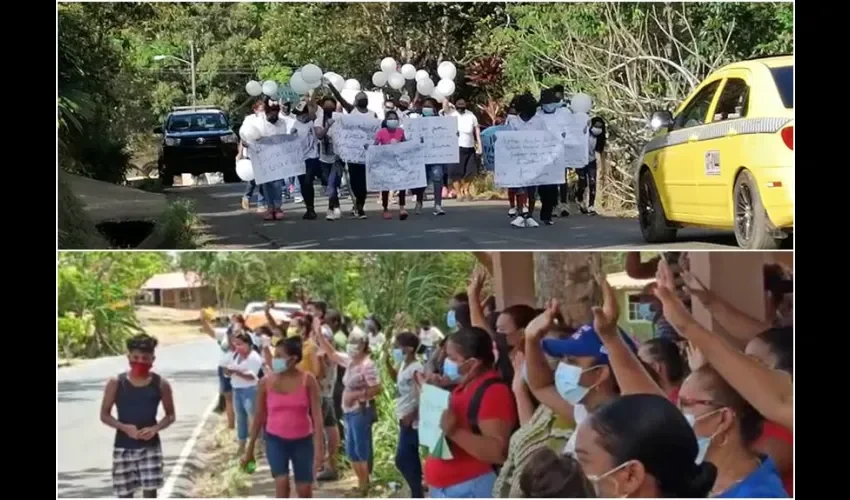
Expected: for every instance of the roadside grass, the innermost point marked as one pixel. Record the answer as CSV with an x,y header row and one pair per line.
x,y
223,477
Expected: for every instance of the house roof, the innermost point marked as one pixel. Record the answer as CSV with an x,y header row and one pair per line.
x,y
622,281
174,281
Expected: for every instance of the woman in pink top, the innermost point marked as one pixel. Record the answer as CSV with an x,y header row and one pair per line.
x,y
289,409
391,133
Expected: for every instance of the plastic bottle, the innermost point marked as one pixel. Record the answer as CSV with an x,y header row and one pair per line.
x,y
251,467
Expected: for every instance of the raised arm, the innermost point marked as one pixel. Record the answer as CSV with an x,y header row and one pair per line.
x,y
476,312
345,104
738,323
638,269
541,380
207,328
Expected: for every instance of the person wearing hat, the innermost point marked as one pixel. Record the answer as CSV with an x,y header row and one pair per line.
x,y
356,171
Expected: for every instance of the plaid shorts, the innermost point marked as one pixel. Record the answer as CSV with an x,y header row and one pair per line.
x,y
134,469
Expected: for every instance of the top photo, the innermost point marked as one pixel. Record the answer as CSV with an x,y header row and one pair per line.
x,y
419,126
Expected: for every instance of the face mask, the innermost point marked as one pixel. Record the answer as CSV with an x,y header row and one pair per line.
x,y
550,108
139,369
362,103
303,118
398,356
596,131
352,350
392,124
461,109
566,382
451,320
279,365
330,110
450,370
597,479
703,443
427,111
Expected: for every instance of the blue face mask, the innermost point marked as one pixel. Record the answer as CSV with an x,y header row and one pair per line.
x,y
427,111
392,124
279,365
450,370
566,382
451,320
550,108
703,443
398,356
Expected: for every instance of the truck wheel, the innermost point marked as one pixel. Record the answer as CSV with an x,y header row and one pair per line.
x,y
166,177
753,228
653,223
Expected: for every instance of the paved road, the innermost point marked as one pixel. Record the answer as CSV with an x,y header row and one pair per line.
x,y
84,444
469,225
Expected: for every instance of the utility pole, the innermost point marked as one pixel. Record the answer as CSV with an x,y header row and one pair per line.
x,y
192,64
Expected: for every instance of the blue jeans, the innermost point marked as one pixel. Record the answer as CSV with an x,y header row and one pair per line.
x,y
436,178
358,434
479,487
280,452
244,399
249,192
274,194
407,459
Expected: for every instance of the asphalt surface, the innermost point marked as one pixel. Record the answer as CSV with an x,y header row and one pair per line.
x,y
479,225
84,444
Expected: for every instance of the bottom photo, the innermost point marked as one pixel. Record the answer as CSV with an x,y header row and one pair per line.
x,y
425,374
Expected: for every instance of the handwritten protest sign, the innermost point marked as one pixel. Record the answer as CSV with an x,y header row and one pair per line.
x,y
395,167
277,157
440,138
529,158
572,128
488,145
433,401
350,135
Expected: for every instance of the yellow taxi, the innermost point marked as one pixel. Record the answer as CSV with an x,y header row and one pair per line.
x,y
725,160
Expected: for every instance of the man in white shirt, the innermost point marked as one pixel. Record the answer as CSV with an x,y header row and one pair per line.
x,y
429,337
469,142
257,111
305,126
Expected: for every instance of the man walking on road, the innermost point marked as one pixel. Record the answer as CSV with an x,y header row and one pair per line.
x,y
137,454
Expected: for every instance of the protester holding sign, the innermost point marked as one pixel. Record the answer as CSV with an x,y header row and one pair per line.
x,y
469,143
551,114
434,171
587,175
306,127
391,133
330,164
526,119
257,113
270,126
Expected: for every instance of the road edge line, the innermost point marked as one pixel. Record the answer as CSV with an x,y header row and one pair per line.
x,y
168,489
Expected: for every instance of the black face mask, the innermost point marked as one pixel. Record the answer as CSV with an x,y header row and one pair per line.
x,y
362,103
285,110
461,109
330,109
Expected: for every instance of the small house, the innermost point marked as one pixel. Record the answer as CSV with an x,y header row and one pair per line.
x,y
178,290
635,314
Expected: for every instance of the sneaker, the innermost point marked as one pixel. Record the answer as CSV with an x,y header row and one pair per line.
x,y
591,210
327,475
299,199
246,203
438,210
519,221
337,213
309,215
417,209
549,222
261,209
354,212
530,222
402,214
330,216
524,210
512,212
565,212
387,215
361,214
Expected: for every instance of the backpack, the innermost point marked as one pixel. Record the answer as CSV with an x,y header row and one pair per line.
x,y
475,408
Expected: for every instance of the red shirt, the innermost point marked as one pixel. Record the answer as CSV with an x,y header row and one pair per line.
x,y
497,403
772,430
386,136
674,395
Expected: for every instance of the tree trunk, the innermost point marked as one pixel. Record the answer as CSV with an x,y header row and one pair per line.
x,y
568,277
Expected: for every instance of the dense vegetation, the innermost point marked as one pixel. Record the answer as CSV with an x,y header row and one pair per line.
x,y
632,57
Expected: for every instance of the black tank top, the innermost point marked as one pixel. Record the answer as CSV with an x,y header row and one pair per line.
x,y
137,406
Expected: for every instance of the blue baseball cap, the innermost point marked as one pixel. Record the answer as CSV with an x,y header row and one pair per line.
x,y
585,342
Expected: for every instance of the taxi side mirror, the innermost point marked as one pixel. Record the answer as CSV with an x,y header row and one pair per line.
x,y
661,119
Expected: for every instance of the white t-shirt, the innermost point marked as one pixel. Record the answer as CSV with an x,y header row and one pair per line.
x,y
268,129
408,393
431,336
288,120
307,129
466,124
252,363
224,343
376,341
579,414
326,155
368,112
535,123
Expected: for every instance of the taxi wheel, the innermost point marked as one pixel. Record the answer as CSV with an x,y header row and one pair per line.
x,y
753,229
653,223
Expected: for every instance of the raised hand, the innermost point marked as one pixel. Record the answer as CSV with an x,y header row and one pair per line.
x,y
543,322
605,317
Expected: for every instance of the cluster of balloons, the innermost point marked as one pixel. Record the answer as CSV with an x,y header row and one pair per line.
x,y
396,77
302,81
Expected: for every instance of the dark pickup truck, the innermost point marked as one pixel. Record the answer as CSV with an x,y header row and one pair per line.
x,y
197,140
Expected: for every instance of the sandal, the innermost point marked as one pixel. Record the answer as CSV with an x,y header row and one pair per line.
x,y
402,214
268,216
387,215
278,215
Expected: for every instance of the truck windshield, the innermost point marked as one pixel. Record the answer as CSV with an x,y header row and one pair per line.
x,y
197,122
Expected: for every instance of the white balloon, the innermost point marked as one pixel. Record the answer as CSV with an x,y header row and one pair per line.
x,y
408,71
396,81
388,65
352,84
581,103
446,87
379,79
436,94
316,84
447,70
249,132
425,86
422,75
245,170
299,86
270,88
254,88
311,74
338,82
